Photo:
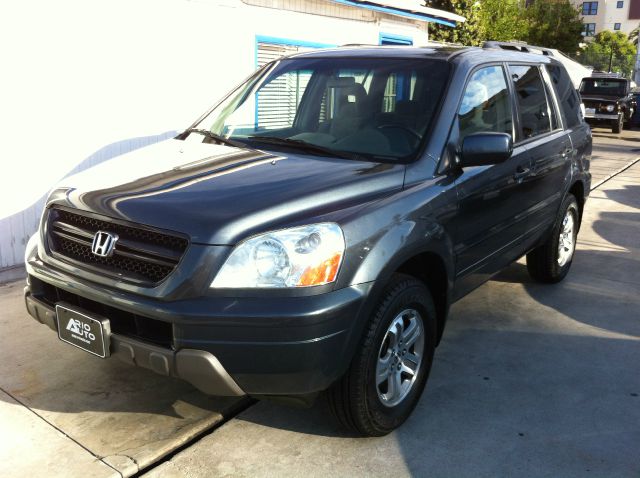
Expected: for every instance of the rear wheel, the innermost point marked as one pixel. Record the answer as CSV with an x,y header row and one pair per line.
x,y
551,261
389,370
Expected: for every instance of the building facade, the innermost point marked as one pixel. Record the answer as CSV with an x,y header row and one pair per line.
x,y
613,15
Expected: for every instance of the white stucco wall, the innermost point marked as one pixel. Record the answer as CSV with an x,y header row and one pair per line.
x,y
85,80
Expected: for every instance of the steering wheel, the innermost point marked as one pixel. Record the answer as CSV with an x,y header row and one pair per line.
x,y
407,129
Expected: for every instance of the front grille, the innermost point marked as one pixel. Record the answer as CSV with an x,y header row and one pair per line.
x,y
599,106
121,322
141,255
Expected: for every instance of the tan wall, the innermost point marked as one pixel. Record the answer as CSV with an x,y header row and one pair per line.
x,y
608,15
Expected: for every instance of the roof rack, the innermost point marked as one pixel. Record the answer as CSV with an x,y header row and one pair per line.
x,y
518,46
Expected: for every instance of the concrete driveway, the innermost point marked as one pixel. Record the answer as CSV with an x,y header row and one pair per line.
x,y
529,380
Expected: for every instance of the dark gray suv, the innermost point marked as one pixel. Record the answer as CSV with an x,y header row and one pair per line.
x,y
310,232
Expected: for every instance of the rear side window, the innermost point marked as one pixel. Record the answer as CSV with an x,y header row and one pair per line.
x,y
486,106
532,100
566,94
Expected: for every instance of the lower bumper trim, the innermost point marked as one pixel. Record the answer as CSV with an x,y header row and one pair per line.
x,y
198,367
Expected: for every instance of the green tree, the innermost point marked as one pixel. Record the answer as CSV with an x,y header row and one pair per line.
x,y
633,36
503,20
466,33
610,49
554,24
500,20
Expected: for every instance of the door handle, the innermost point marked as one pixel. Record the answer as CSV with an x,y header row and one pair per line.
x,y
566,152
521,172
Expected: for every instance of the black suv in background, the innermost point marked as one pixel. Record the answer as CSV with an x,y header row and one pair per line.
x,y
608,101
310,232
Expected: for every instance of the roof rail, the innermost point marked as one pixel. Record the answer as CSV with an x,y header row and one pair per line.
x,y
518,46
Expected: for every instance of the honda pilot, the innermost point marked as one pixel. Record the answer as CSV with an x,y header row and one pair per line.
x,y
309,233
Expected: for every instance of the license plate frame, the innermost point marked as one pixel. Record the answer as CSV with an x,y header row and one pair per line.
x,y
84,330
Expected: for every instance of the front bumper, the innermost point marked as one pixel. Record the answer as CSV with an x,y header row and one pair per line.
x,y
223,345
200,368
601,117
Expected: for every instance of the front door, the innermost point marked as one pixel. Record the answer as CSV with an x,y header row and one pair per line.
x,y
490,222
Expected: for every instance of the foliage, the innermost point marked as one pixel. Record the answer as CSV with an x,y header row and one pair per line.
x,y
550,23
503,20
633,36
554,24
610,48
467,33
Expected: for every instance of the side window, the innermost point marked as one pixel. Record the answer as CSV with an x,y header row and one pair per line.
x,y
532,100
566,94
486,106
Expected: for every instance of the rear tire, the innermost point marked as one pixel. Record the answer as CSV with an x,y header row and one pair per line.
x,y
551,261
363,400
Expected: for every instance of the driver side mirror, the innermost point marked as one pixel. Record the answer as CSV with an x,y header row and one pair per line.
x,y
481,149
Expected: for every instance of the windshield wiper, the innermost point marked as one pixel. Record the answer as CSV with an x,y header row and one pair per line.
x,y
216,137
305,146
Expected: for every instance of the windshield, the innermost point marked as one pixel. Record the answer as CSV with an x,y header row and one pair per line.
x,y
372,108
609,87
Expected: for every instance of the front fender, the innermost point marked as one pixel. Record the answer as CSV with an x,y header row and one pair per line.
x,y
390,232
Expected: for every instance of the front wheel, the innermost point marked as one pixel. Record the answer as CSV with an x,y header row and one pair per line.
x,y
617,125
390,369
551,261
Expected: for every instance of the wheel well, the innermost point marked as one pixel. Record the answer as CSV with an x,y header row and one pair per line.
x,y
577,189
430,269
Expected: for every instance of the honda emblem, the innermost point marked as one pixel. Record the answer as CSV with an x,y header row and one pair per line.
x,y
104,243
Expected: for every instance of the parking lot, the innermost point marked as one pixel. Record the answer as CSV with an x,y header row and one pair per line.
x,y
530,379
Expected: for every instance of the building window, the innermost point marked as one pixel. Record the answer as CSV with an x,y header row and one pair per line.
x,y
393,39
620,4
616,26
590,8
589,29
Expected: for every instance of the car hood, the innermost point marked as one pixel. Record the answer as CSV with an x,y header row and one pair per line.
x,y
219,194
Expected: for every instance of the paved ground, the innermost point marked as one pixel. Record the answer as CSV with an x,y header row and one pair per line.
x,y
116,419
530,380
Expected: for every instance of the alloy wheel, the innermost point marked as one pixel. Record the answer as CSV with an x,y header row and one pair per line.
x,y
400,357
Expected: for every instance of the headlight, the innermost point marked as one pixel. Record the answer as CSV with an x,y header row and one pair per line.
x,y
297,257
610,108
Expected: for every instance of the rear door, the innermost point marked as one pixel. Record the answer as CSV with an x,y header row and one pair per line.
x,y
578,130
549,146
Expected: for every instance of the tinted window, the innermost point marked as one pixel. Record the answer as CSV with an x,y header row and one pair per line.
x,y
532,101
603,86
566,94
486,105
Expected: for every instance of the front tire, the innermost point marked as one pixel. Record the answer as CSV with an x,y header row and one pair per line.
x,y
551,261
390,368
617,125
